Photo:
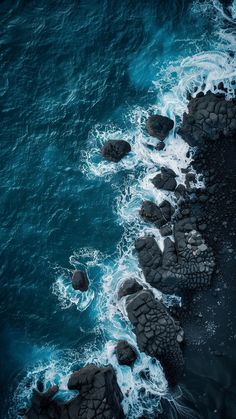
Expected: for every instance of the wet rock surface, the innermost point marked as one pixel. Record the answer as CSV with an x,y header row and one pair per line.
x,y
99,397
186,263
157,333
159,215
209,118
125,353
129,286
165,180
159,126
115,150
80,281
209,320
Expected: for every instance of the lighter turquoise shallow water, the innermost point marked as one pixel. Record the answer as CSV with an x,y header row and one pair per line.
x,y
74,74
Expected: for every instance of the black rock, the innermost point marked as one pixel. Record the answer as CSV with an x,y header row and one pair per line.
x,y
210,117
159,126
165,180
156,332
100,395
159,215
129,286
115,150
125,353
80,281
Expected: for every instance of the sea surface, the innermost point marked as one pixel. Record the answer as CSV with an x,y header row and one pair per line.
x,y
73,74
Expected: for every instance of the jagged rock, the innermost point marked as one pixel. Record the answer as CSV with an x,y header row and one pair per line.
x,y
129,286
165,180
100,395
159,126
166,230
186,264
209,117
80,281
125,353
159,215
115,150
156,332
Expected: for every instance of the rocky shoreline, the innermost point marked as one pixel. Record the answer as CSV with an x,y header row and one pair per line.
x,y
198,264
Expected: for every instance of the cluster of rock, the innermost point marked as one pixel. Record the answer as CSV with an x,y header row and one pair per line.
x,y
99,397
185,264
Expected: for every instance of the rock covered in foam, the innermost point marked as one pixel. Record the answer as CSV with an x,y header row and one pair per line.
x,y
125,353
157,334
129,286
159,126
115,150
80,281
209,117
165,180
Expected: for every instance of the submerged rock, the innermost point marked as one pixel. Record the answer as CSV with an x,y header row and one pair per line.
x,y
125,353
115,150
159,126
157,334
129,286
80,281
165,180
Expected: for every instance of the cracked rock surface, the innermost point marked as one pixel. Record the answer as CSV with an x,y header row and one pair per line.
x,y
187,263
209,118
99,397
157,334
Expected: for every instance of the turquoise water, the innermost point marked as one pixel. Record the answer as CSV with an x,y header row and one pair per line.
x,y
73,74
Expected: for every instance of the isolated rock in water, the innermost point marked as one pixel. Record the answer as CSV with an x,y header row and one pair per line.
x,y
157,334
125,353
165,180
159,126
100,395
115,150
210,117
187,263
129,286
80,281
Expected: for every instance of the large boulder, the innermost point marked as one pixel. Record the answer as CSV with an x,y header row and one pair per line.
x,y
115,150
165,180
186,264
159,215
80,281
125,353
159,126
100,395
210,117
157,334
127,287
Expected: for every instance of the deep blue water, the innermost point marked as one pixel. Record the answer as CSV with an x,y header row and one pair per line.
x,y
66,68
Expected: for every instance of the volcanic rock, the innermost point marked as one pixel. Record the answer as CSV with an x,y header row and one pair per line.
x,y
80,281
125,353
159,126
115,150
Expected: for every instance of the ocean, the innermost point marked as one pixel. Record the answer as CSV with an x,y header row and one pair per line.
x,y
75,73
